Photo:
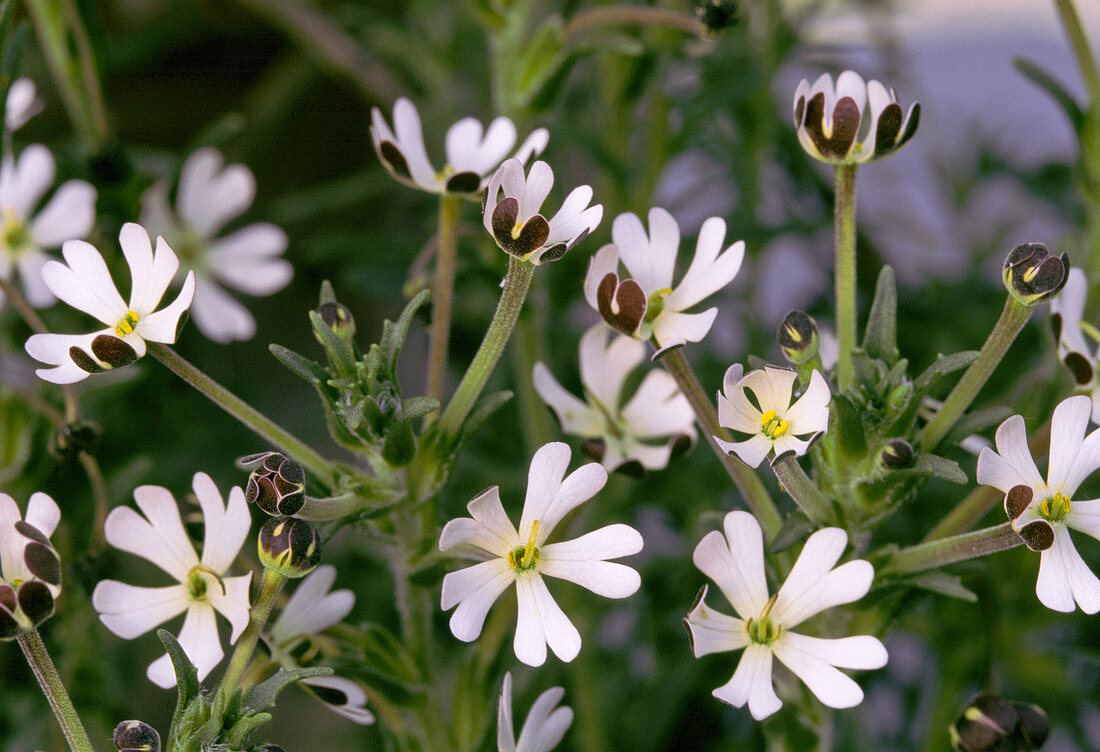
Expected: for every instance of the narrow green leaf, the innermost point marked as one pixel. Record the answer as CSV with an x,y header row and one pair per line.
x,y
944,365
415,407
338,349
187,677
393,338
299,365
847,426
262,696
1051,86
880,338
541,57
942,583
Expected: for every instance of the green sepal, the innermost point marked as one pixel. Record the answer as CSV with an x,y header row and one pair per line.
x,y
943,365
262,696
846,424
299,365
416,407
880,338
235,737
399,448
187,680
339,350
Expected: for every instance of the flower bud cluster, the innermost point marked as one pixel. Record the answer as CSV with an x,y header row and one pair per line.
x,y
276,485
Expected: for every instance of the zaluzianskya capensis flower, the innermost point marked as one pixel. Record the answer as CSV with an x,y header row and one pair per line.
x,y
735,561
644,429
1043,512
1032,275
853,121
1073,333
22,103
544,727
84,283
471,154
202,585
30,569
524,557
647,306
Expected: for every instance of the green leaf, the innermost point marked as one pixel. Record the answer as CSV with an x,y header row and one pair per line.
x,y
400,446
472,701
386,656
393,334
880,338
542,56
299,365
262,696
550,91
187,677
1051,86
942,583
235,737
944,365
415,407
338,349
847,426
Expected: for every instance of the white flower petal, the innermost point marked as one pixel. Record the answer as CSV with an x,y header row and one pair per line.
x,y
474,589
85,283
829,685
1064,577
1070,306
23,103
354,706
583,561
737,413
736,563
752,684
606,359
162,325
671,328
708,272
1067,432
42,513
150,272
158,536
209,196
540,179
506,735
225,525
859,652
712,631
810,413
751,451
490,529
244,260
30,264
410,142
545,726
199,640
1011,465
30,177
541,623
576,417
54,349
533,146
11,545
69,214
235,605
549,497
1084,515
312,608
658,408
218,315
130,611
649,259
604,262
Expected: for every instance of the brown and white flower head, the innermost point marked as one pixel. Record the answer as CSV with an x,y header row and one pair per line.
x,y
852,121
30,569
1073,333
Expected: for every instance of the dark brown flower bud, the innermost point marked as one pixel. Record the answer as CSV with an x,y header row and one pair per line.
x,y
289,546
985,725
1032,275
898,454
277,486
798,338
136,736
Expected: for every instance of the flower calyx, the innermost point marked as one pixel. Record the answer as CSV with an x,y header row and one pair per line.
x,y
289,546
1033,276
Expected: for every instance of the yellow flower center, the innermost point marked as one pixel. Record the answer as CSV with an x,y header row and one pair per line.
x,y
14,236
517,230
1055,508
656,303
128,324
198,585
525,558
771,426
762,630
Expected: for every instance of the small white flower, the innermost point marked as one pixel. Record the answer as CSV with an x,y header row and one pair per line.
x,y
22,103
211,194
309,611
736,564
524,557
517,226
544,727
1043,512
773,422
853,121
648,306
202,585
1066,314
84,283
626,432
25,234
30,570
471,154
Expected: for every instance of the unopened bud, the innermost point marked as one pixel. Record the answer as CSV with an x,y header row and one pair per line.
x,y
277,486
136,736
338,318
898,454
73,438
985,725
1032,727
717,15
289,546
798,338
1032,275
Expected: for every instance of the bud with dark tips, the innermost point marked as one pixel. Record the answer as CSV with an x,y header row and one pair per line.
x,y
289,546
798,338
136,736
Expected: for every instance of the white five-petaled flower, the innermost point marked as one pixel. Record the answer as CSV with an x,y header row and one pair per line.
x,y
211,194
735,562
626,430
770,420
30,570
472,154
202,585
22,103
84,283
544,727
309,611
853,121
648,306
1044,512
523,557
511,213
1066,314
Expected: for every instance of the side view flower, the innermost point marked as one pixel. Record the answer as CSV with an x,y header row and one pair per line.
x,y
523,557
1073,334
648,306
201,588
1043,512
735,561
84,283
30,569
644,429
544,727
22,103
472,154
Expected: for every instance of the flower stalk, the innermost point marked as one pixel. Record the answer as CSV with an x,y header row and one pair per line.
x,y
845,232
940,553
798,485
443,292
44,670
270,586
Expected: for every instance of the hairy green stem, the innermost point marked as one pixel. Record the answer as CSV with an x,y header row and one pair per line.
x,y
62,706
594,17
270,586
800,488
443,293
940,553
845,231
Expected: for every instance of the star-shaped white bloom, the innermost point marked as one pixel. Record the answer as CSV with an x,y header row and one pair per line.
x,y
22,103
211,194
30,570
24,233
1043,512
202,585
511,213
1066,315
84,283
769,419
648,306
544,727
524,557
735,562
309,611
472,154
657,412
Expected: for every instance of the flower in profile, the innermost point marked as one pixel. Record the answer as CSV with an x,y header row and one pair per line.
x,y
517,226
644,429
1073,334
647,306
248,260
523,557
472,153
30,569
84,283
22,103
201,588
544,727
26,235
761,407
735,562
1043,512
296,633
853,121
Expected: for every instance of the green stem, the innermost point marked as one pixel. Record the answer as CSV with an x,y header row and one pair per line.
x,y
1012,320
473,382
50,681
246,414
845,230
1086,61
270,586
940,553
747,481
443,292
635,15
800,488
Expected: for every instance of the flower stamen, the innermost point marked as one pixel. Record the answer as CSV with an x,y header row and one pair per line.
x,y
772,426
196,584
762,630
525,558
127,324
1055,508
656,303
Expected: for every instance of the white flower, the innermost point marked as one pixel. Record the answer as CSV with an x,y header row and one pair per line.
x,y
1066,313
25,234
626,432
22,103
30,570
1044,512
648,306
517,226
248,260
309,611
853,121
202,585
471,155
773,422
524,557
85,283
736,564
544,727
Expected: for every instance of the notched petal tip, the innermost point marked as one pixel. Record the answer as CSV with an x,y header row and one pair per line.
x,y
394,159
1079,367
628,297
113,351
1038,535
1017,500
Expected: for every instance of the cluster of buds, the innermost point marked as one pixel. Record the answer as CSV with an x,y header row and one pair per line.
x,y
276,485
993,724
